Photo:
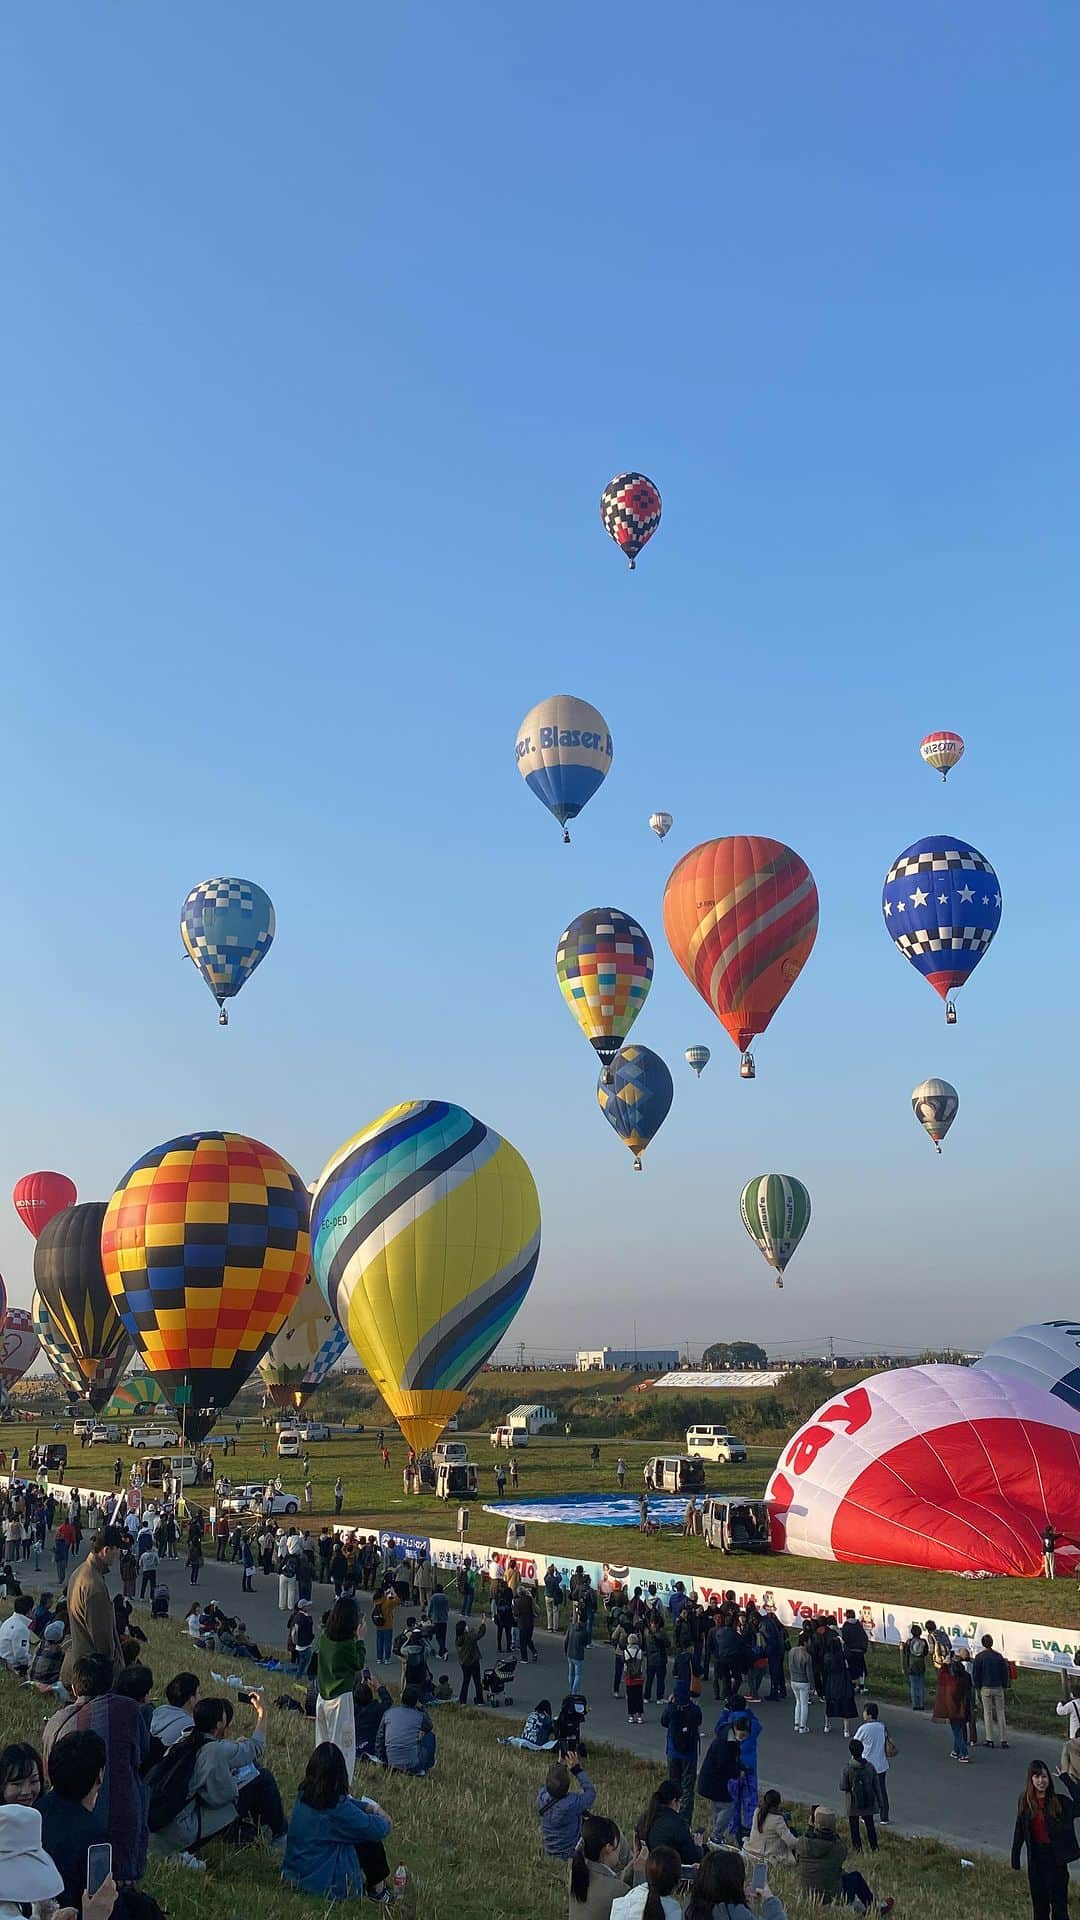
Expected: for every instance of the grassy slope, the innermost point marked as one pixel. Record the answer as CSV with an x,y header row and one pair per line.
x,y
468,1833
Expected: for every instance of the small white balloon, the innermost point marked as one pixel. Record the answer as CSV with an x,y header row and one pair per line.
x,y
661,824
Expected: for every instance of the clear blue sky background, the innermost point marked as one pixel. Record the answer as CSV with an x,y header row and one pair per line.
x,y
322,330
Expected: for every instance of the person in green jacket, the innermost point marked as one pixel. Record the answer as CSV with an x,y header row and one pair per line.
x,y
341,1659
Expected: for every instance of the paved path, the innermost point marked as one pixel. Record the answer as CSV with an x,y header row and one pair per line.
x,y
972,1808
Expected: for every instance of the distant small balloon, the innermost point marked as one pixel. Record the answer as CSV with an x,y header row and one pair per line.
x,y
227,926
942,751
698,1058
935,1105
661,824
630,508
39,1197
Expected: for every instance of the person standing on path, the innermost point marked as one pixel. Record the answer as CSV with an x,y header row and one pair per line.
x,y
839,1692
195,1557
872,1738
467,1647
634,1680
856,1646
775,1641
1044,1827
859,1783
801,1675
914,1655
991,1679
656,1657
953,1704
682,1720
553,1597
575,1646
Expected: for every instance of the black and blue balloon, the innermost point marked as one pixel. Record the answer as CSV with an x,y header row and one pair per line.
x,y
635,1095
227,926
942,908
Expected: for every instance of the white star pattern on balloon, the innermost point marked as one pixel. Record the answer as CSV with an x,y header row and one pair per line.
x,y
919,898
888,909
943,899
965,894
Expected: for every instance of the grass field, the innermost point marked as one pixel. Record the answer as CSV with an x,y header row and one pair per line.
x,y
468,1833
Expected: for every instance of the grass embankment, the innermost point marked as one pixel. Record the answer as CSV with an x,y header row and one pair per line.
x,y
468,1833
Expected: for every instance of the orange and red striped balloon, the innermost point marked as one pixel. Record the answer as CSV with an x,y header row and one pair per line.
x,y
741,917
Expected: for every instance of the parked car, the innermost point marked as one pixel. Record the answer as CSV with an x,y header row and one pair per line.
x,y
49,1457
450,1453
180,1466
509,1437
674,1473
736,1525
288,1444
250,1499
714,1443
313,1430
103,1436
152,1437
457,1480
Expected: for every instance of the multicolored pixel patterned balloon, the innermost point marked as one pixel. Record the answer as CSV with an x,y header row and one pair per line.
x,y
635,1097
426,1234
55,1347
630,508
206,1248
308,1348
564,753
942,908
227,926
604,966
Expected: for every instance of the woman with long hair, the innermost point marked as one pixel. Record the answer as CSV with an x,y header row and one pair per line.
x,y
719,1891
340,1661
662,1825
335,1843
770,1838
655,1899
598,1876
1044,1826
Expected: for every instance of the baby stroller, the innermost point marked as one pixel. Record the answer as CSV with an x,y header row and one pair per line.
x,y
495,1681
159,1605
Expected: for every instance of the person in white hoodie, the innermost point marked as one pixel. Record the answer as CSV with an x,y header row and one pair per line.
x,y
177,1717
15,1636
655,1898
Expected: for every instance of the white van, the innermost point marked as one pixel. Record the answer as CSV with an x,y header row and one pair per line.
x,y
104,1436
714,1443
288,1444
183,1468
152,1437
450,1453
509,1437
674,1473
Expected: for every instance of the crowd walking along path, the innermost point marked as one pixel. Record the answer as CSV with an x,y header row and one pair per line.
x,y
971,1808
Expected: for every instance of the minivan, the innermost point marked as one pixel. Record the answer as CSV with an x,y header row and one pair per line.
x,y
181,1466
509,1437
714,1443
674,1473
288,1444
151,1437
450,1453
457,1480
736,1526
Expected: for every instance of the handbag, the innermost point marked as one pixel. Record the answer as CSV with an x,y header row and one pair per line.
x,y
891,1748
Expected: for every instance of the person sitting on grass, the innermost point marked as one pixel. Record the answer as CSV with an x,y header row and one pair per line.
x,y
719,1890
770,1838
820,1856
655,1898
122,1803
48,1658
405,1742
15,1638
539,1728
600,1871
561,1810
662,1825
29,1878
70,1822
171,1721
228,1787
370,1702
334,1846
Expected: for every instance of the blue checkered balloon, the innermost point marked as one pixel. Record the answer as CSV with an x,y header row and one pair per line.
x,y
942,908
227,926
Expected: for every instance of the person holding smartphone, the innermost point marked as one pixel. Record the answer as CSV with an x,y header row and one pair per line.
x,y
73,1833
720,1888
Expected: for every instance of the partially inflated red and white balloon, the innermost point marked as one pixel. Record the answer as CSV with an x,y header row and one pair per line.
x,y
952,1468
18,1346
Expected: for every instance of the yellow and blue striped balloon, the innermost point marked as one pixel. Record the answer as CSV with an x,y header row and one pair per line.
x,y
564,753
425,1232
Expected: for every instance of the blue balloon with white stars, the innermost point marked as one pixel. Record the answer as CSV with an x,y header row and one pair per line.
x,y
942,908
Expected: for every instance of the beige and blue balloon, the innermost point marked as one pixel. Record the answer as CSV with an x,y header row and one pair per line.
x,y
564,754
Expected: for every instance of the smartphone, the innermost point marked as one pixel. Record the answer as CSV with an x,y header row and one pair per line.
x,y
98,1866
759,1877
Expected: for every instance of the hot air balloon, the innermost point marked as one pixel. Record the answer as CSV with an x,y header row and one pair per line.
x,y
56,1349
227,926
305,1351
133,1395
741,917
635,1097
1046,1355
604,966
942,751
942,908
661,824
69,1278
698,1058
630,508
935,1105
206,1249
775,1211
3,1303
426,1235
39,1197
18,1346
950,1468
564,753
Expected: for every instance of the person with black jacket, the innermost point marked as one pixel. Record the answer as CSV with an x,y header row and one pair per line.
x,y
991,1678
856,1646
682,1720
657,1647
1044,1826
662,1825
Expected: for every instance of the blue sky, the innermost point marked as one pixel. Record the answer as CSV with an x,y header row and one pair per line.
x,y
323,331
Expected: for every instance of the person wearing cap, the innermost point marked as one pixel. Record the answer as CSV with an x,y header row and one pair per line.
x,y
820,1856
90,1610
28,1874
301,1637
48,1660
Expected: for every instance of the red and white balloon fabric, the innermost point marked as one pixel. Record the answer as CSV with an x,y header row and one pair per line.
x,y
952,1468
19,1346
39,1197
941,751
1046,1355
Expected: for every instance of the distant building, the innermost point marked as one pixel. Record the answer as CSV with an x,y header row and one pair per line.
x,y
607,1359
532,1418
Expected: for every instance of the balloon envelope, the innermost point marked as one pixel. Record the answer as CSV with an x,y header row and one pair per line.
x,y
935,1105
426,1235
18,1346
635,1098
564,753
69,1277
39,1197
698,1058
227,926
3,1303
945,1467
1045,1355
775,1211
942,751
305,1351
132,1395
55,1347
206,1249
741,917
604,966
661,824
630,508
942,907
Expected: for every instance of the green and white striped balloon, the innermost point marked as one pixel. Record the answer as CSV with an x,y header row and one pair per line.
x,y
776,1213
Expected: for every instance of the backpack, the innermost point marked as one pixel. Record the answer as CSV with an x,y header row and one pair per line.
x,y
169,1782
862,1789
378,1618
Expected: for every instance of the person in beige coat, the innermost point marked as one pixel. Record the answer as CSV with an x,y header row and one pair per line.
x,y
91,1619
770,1838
